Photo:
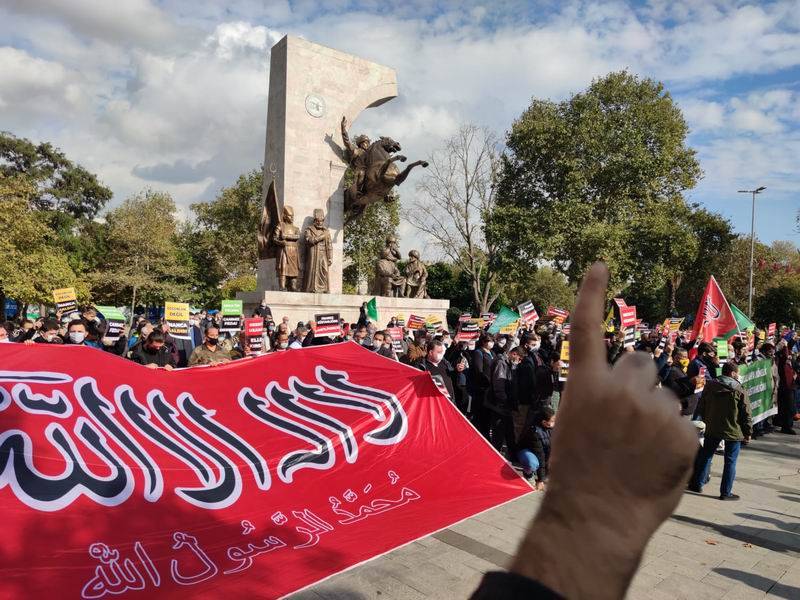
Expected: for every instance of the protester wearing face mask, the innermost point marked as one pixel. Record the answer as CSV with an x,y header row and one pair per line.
x,y
382,344
210,352
532,381
152,353
481,379
502,404
5,328
679,382
534,444
281,342
299,335
726,412
76,333
439,368
47,334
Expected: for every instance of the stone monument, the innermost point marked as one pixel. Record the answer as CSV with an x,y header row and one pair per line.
x,y
314,93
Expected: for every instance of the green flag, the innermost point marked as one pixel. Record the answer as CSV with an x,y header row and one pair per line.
x,y
505,317
742,322
110,313
372,309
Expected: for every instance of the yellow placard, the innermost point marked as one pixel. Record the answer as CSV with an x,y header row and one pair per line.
x,y
176,311
510,329
565,351
64,295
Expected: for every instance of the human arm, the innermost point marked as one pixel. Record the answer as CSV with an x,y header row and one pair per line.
x,y
608,491
745,417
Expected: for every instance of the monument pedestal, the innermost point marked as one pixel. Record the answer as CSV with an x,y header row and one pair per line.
x,y
299,306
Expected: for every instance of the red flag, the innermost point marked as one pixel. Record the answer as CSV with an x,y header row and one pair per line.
x,y
251,479
714,316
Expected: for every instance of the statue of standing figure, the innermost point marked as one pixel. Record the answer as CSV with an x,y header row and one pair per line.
x,y
319,255
388,279
285,237
416,277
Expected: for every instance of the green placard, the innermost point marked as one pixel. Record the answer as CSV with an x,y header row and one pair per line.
x,y
756,378
32,312
111,313
232,307
722,349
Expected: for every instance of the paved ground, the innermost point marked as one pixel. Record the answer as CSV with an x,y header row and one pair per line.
x,y
708,549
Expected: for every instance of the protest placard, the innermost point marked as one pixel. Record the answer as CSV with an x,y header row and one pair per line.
x,y
488,318
254,332
722,350
469,331
415,322
772,329
66,301
756,379
400,320
564,371
328,324
396,334
231,311
701,380
527,312
176,314
433,323
115,319
559,314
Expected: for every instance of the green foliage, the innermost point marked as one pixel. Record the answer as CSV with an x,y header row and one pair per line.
x,y
779,304
32,264
543,286
60,184
364,238
589,178
143,258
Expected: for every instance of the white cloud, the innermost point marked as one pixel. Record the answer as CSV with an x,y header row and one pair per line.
x,y
173,94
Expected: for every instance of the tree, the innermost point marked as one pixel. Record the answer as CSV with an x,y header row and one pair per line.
x,y
457,193
60,185
779,304
543,286
142,262
585,177
32,264
364,238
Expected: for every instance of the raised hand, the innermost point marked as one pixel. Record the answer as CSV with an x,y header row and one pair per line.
x,y
620,461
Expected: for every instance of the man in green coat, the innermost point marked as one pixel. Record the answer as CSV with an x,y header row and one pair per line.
x,y
725,409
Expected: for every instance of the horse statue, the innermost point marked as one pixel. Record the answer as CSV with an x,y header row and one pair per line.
x,y
375,172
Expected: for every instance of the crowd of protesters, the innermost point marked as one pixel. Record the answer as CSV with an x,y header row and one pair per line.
x,y
507,385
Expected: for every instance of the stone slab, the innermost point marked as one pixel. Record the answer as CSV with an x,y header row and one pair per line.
x,y
300,306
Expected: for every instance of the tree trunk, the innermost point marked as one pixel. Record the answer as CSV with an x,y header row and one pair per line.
x,y
133,305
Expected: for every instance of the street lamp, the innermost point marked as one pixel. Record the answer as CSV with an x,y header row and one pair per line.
x,y
752,245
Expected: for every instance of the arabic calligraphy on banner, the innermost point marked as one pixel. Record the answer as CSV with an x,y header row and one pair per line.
x,y
248,478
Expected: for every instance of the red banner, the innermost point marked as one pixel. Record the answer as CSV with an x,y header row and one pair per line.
x,y
251,479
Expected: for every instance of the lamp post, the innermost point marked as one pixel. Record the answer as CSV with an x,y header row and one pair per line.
x,y
752,245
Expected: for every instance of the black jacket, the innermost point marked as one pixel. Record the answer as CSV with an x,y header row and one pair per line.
x,y
162,358
680,383
537,439
440,374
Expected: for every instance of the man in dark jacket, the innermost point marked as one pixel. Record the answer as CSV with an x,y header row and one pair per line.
x,y
679,382
725,409
501,403
440,370
534,446
153,352
481,372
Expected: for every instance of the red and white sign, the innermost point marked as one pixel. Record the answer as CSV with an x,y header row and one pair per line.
x,y
328,325
254,331
396,333
772,328
527,312
559,314
251,479
415,322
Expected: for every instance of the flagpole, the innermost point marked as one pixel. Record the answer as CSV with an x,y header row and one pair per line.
x,y
752,245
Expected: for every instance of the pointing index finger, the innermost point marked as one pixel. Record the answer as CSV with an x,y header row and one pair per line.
x,y
587,347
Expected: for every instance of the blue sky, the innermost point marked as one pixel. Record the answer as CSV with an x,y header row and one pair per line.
x,y
172,94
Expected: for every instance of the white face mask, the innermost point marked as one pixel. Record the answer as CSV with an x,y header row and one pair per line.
x,y
536,346
283,345
437,358
76,337
471,346
5,340
49,337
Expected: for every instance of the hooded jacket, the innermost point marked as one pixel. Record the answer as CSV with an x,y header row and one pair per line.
x,y
725,409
